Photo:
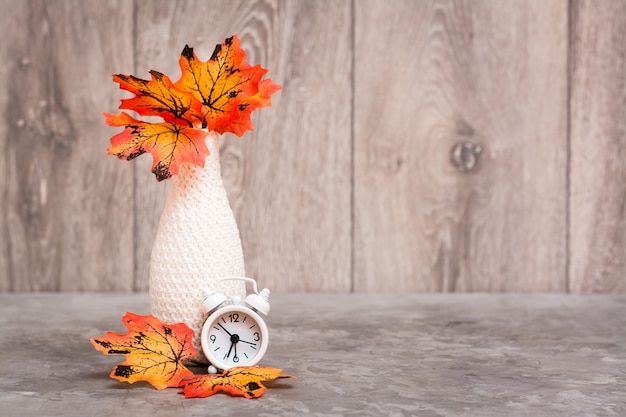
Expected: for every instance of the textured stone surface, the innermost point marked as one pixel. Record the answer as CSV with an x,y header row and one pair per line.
x,y
354,355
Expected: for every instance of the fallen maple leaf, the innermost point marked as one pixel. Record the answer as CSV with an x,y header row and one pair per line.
x,y
219,95
154,351
242,380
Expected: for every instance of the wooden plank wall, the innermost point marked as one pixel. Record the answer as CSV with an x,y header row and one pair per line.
x,y
598,147
487,78
416,146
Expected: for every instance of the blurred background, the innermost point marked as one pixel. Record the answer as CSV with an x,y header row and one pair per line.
x,y
416,146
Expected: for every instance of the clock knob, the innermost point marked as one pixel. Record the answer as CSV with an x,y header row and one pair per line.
x,y
212,301
259,302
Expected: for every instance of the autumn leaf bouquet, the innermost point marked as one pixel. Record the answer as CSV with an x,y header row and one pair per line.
x,y
216,96
197,240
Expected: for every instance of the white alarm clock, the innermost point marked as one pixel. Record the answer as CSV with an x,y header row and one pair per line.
x,y
235,334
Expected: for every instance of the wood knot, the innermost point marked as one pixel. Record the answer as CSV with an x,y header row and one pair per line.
x,y
465,155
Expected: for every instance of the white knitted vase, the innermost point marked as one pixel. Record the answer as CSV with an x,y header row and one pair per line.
x,y
197,242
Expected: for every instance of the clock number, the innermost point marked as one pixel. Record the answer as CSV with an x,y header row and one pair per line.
x,y
234,317
212,338
256,336
236,359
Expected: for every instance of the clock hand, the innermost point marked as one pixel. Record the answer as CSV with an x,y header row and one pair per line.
x,y
223,328
229,350
233,342
244,341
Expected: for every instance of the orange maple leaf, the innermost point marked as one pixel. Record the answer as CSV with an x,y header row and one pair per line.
x,y
226,85
158,97
242,123
219,95
242,380
154,351
169,143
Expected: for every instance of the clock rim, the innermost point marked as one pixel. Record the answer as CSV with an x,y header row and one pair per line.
x,y
240,309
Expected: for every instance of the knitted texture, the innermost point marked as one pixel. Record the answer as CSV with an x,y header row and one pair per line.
x,y
197,242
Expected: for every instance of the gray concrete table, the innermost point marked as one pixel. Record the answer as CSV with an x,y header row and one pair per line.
x,y
354,355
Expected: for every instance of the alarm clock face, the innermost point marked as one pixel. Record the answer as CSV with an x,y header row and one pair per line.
x,y
234,336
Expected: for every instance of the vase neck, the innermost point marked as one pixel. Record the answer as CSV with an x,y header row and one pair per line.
x,y
210,173
213,144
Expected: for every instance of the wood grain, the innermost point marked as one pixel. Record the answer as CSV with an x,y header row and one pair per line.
x,y
293,200
289,180
416,146
65,222
598,147
433,75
